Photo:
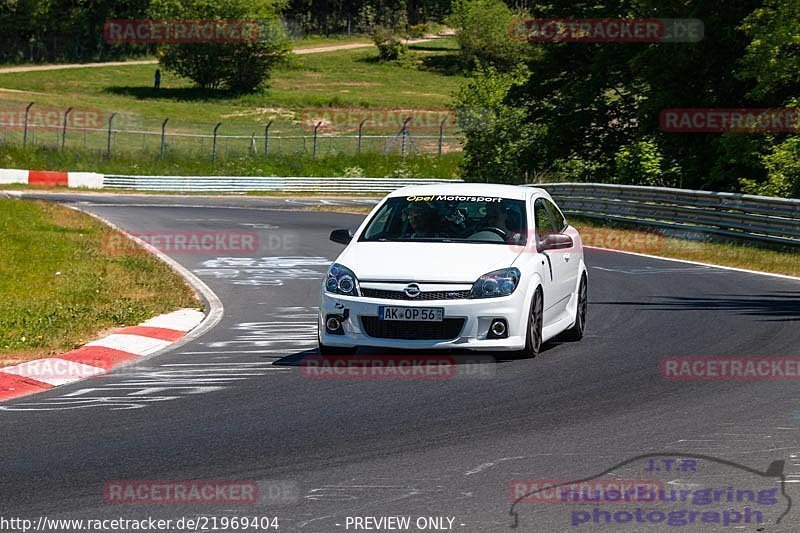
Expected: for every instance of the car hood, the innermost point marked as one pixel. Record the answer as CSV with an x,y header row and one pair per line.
x,y
426,261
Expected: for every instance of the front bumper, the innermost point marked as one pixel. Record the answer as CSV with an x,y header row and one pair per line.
x,y
478,315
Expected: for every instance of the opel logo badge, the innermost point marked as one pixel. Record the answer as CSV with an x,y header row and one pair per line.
x,y
412,290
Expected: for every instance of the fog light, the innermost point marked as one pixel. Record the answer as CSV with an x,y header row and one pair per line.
x,y
333,325
498,329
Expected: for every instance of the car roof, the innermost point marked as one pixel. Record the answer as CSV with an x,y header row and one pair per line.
x,y
512,192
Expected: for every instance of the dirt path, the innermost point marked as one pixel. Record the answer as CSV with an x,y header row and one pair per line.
x,y
301,51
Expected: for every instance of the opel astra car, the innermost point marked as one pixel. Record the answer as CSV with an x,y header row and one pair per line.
x,y
479,267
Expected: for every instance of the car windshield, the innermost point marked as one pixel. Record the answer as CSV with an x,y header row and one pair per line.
x,y
440,218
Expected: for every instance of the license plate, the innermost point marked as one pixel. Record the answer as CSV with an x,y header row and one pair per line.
x,y
425,314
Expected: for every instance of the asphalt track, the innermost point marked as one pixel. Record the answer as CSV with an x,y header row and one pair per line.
x,y
231,404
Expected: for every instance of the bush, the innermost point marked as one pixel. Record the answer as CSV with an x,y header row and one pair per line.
x,y
577,169
783,171
417,31
642,163
482,32
390,45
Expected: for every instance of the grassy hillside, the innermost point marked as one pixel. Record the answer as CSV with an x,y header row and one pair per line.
x,y
342,79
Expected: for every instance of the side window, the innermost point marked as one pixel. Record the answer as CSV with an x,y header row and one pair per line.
x,y
544,224
381,223
558,217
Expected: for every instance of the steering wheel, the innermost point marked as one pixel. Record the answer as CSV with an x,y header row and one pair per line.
x,y
503,234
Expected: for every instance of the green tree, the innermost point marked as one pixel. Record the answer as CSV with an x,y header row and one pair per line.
x,y
772,56
772,59
240,65
584,103
483,33
63,30
495,132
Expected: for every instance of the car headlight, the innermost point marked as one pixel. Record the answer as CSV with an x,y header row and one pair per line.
x,y
498,283
341,280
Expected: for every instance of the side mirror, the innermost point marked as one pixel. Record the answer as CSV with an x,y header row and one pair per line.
x,y
341,236
556,241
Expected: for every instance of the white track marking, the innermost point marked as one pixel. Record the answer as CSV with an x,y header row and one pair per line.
x,y
709,265
135,344
181,320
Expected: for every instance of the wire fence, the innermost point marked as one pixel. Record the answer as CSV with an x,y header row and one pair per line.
x,y
117,135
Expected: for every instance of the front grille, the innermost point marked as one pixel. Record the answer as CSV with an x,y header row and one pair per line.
x,y
448,329
425,295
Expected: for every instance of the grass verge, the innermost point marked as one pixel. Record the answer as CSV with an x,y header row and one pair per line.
x,y
717,253
61,283
369,165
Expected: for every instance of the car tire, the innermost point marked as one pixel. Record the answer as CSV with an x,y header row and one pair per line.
x,y
533,336
575,333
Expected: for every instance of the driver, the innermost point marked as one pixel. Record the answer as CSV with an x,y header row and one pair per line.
x,y
421,222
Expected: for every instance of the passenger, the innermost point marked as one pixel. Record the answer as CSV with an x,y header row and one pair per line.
x,y
496,217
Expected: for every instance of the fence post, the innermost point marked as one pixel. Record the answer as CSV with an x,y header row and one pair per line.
x,y
404,133
314,148
360,128
214,143
163,138
64,131
266,139
25,128
108,147
441,131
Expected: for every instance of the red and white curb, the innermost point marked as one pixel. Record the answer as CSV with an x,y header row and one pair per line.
x,y
47,178
98,357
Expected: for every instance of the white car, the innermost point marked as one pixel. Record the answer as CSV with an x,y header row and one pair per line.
x,y
468,266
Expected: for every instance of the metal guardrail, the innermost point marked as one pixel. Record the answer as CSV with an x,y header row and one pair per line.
x,y
262,183
741,216
773,220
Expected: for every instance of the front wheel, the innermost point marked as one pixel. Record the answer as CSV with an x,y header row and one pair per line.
x,y
533,340
575,333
